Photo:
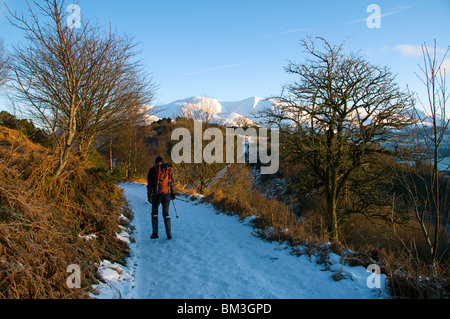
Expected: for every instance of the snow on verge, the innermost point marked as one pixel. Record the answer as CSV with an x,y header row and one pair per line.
x,y
116,278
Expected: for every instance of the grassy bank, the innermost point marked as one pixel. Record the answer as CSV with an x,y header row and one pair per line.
x,y
44,224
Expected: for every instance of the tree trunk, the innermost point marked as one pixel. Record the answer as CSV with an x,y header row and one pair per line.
x,y
61,165
111,168
70,139
332,209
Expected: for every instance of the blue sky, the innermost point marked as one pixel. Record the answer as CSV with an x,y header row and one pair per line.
x,y
234,49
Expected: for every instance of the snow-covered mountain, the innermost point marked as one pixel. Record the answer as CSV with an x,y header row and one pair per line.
x,y
230,113
426,118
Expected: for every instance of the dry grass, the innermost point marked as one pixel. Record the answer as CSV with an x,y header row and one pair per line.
x,y
41,222
233,193
402,254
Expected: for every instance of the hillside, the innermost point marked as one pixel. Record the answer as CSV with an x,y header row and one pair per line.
x,y
47,226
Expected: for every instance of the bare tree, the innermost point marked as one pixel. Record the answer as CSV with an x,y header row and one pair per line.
x,y
426,181
79,83
199,109
341,111
4,64
244,122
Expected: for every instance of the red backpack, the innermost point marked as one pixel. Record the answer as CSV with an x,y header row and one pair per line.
x,y
162,179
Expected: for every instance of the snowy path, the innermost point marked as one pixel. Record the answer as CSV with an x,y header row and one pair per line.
x,y
215,256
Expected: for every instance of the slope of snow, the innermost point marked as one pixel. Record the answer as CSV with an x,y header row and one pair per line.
x,y
215,256
426,119
225,113
246,107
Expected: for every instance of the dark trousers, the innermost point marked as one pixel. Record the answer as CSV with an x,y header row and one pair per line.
x,y
164,200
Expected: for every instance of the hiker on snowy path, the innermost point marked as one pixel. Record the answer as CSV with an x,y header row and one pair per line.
x,y
160,191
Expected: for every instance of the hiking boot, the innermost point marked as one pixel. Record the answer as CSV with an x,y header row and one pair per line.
x,y
168,226
155,228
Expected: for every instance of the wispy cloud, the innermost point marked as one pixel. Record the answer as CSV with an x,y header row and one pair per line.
x,y
445,67
417,51
391,12
220,67
388,13
410,50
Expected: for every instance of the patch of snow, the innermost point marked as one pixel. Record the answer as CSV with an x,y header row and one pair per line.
x,y
116,279
88,237
123,218
124,236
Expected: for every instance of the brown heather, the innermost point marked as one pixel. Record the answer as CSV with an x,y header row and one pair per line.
x,y
41,222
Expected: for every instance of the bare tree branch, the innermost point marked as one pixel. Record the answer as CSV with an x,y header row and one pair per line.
x,y
425,181
4,65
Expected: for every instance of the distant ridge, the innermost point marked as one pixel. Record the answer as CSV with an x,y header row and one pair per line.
x,y
229,113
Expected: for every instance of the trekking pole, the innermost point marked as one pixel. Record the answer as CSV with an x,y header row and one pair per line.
x,y
174,208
